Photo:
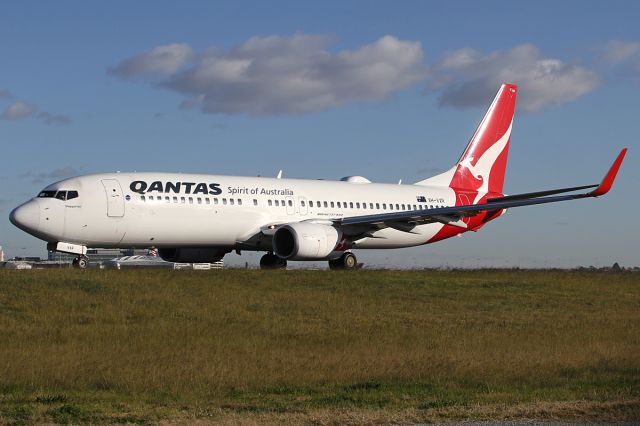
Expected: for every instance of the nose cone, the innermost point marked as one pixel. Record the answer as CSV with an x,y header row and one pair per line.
x,y
26,216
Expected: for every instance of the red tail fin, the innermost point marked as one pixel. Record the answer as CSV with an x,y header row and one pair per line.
x,y
483,164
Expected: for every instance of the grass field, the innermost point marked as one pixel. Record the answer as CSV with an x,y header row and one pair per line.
x,y
317,347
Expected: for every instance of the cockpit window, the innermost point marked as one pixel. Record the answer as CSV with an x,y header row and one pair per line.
x,y
60,195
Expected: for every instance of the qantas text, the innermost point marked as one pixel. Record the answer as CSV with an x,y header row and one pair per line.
x,y
142,187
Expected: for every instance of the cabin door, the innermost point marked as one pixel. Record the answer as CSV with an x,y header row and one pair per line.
x,y
115,199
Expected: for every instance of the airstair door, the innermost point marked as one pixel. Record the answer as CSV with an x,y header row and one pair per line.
x,y
115,199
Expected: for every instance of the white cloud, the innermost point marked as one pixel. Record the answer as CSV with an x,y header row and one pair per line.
x,y
48,118
623,57
298,74
161,60
18,110
468,77
617,51
287,75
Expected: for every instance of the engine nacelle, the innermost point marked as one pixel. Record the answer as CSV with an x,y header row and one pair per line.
x,y
193,254
305,241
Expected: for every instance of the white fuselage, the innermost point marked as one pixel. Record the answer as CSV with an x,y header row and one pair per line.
x,y
190,210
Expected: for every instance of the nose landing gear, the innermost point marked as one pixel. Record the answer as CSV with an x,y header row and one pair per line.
x,y
80,262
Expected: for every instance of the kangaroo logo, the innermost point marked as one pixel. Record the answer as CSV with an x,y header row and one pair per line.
x,y
481,170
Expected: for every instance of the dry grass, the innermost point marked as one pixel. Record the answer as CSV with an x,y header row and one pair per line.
x,y
312,346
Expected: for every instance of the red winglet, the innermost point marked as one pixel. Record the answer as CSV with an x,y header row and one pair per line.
x,y
607,182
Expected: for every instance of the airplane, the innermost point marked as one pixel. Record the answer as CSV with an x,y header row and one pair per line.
x,y
200,218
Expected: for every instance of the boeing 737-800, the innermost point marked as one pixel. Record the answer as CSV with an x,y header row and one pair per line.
x,y
200,218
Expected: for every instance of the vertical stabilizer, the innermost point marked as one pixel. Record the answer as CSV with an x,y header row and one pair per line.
x,y
482,166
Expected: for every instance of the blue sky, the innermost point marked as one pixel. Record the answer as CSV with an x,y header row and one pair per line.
x,y
159,86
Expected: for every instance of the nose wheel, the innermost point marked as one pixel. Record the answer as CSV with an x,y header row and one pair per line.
x,y
80,262
346,261
271,261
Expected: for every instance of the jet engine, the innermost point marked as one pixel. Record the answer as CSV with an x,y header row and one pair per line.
x,y
305,241
193,254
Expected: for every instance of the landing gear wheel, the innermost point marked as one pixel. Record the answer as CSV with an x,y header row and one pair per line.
x,y
80,262
346,261
271,261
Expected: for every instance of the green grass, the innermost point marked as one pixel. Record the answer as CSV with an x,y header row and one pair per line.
x,y
317,347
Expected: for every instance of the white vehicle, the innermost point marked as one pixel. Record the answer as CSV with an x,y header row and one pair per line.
x,y
199,218
137,261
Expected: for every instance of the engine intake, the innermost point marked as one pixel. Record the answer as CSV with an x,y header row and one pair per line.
x,y
305,241
193,254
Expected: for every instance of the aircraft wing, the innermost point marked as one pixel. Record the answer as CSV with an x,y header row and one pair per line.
x,y
453,215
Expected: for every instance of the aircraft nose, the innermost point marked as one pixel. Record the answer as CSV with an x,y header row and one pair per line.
x,y
26,216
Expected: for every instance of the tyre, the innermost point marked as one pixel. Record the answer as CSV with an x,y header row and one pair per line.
x,y
346,261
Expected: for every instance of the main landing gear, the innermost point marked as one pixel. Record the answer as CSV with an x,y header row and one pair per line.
x,y
271,261
346,261
81,262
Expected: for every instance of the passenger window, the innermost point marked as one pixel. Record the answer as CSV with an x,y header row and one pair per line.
x,y
325,204
357,205
378,206
310,203
290,203
224,201
390,206
215,201
207,201
167,199
371,206
302,203
175,199
255,202
142,198
338,203
190,200
364,205
384,206
231,201
199,200
332,204
397,207
277,203
351,204
72,194
282,203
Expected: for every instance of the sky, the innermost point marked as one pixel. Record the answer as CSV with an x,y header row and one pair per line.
x,y
386,90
